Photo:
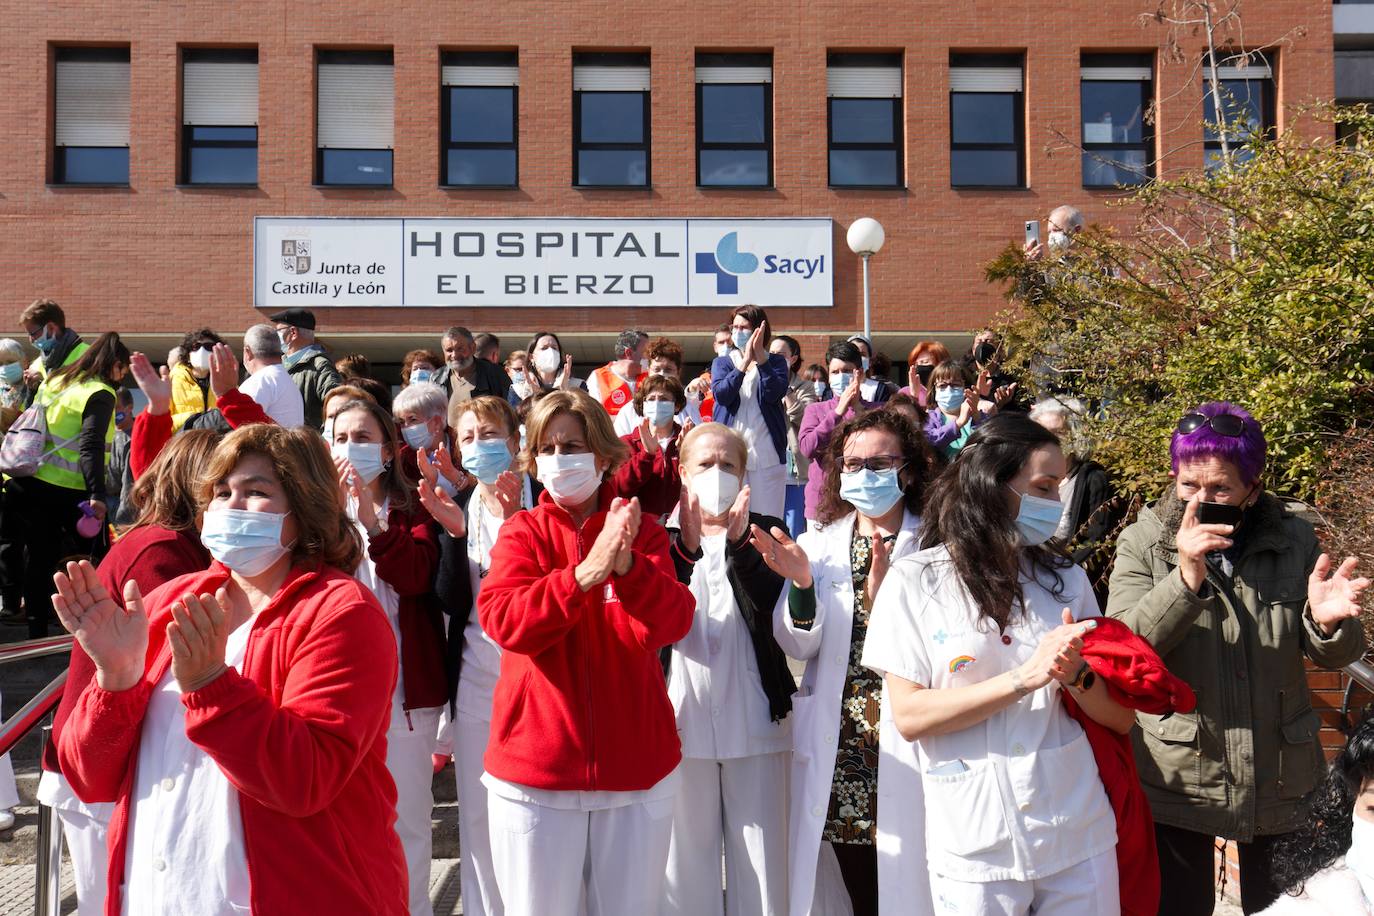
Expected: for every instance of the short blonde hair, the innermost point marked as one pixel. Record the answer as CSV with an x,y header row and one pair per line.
x,y
738,447
596,423
489,408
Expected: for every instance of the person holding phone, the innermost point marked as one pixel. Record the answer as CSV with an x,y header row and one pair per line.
x,y
1233,591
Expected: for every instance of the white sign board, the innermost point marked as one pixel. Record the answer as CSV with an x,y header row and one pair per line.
x,y
541,262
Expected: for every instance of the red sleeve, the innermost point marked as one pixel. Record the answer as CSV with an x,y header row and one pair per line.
x,y
636,472
660,607
99,738
295,758
407,552
150,433
523,607
240,410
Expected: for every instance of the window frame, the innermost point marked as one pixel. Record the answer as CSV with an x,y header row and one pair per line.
x,y
1018,144
897,146
189,144
1147,130
579,146
111,53
447,145
715,60
359,57
1267,110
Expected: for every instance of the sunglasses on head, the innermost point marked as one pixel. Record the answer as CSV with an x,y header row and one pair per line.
x,y
1222,424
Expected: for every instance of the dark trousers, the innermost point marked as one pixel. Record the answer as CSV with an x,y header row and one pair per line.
x,y
1187,869
42,518
859,866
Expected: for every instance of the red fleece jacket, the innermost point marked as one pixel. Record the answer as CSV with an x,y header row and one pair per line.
x,y
301,734
152,431
1136,678
581,703
407,556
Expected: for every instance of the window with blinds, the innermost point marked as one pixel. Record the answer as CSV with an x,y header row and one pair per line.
x,y
1115,94
1246,87
354,118
219,115
734,120
91,116
987,121
611,120
864,120
480,113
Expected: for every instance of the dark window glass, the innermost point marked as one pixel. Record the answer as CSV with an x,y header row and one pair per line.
x,y
480,167
355,166
1118,145
986,129
734,135
865,142
611,138
221,155
612,117
92,165
1247,111
734,113
612,167
734,168
984,117
480,135
985,167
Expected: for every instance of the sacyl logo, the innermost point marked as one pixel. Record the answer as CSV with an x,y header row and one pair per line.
x,y
727,262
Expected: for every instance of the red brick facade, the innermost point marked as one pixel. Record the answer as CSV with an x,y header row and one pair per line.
x,y
158,259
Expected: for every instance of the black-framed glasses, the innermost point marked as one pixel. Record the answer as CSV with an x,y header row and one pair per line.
x,y
876,463
1225,424
36,332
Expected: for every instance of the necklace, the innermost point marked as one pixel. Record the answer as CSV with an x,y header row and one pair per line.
x,y
479,532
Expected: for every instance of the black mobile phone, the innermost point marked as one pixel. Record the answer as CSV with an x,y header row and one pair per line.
x,y
1219,514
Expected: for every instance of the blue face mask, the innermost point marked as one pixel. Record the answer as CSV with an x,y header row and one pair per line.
x,y
10,373
839,381
820,389
45,343
246,542
419,376
366,458
949,399
417,435
740,338
658,412
120,416
1037,519
486,459
872,493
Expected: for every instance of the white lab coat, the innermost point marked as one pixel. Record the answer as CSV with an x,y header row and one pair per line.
x,y
902,873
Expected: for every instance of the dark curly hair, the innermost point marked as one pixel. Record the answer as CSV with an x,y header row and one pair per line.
x,y
1325,834
969,513
916,452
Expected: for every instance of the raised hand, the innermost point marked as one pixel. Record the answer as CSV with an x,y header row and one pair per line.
x,y
1058,657
443,509
1004,394
689,520
1194,541
224,370
157,387
566,382
507,490
757,351
878,564
197,633
353,486
847,397
646,437
115,636
737,518
782,554
596,567
1332,600
455,475
984,385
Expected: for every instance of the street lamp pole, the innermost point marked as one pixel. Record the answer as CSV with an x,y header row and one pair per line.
x,y
868,327
865,238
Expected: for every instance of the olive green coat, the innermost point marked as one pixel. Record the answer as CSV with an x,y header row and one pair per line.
x,y
1240,764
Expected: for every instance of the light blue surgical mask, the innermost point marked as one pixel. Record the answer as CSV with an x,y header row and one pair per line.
x,y
865,363
45,343
872,493
658,412
417,435
517,378
246,542
419,376
949,399
820,389
486,459
1037,519
366,458
10,373
740,338
839,381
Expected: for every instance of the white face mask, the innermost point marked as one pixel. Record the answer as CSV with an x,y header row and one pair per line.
x,y
570,479
547,360
1360,858
1059,241
722,349
200,359
716,490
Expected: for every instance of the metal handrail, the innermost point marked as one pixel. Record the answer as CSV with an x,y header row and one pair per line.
x,y
33,713
35,648
1362,672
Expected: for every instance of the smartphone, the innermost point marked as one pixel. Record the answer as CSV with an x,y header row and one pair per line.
x,y
1219,514
1032,230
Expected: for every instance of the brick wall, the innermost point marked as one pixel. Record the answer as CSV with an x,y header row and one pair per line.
x,y
156,257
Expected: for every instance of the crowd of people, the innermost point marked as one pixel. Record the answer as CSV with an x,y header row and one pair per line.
x,y
297,595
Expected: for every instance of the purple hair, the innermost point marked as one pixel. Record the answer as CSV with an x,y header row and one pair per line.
x,y
1246,452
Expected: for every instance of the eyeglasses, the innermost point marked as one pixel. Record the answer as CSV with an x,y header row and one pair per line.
x,y
37,332
1225,424
876,463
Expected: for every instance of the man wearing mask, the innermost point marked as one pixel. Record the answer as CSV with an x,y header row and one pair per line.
x,y
1062,224
268,382
465,375
306,361
58,345
614,384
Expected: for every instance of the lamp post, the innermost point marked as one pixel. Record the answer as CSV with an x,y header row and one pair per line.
x,y
865,238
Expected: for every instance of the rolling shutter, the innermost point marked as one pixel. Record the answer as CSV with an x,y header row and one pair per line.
x,y
91,102
356,106
220,93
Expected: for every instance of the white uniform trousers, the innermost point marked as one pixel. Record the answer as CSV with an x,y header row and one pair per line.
x,y
480,896
767,489
408,757
740,803
540,854
1086,889
85,838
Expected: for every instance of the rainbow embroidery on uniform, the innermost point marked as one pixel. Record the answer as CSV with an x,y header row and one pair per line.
x,y
960,663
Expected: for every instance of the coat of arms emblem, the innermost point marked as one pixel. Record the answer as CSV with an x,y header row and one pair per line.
x,y
295,256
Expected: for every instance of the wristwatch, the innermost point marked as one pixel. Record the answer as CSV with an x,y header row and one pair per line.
x,y
1084,679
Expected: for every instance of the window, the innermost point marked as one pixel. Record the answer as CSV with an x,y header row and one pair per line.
x,y
734,120
91,116
987,121
611,120
219,114
480,118
864,120
1115,94
354,118
1247,100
